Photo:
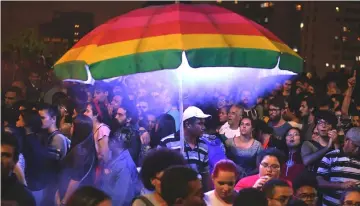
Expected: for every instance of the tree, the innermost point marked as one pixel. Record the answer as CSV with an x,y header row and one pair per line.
x,y
27,44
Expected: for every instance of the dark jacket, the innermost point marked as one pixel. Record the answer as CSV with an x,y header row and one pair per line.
x,y
15,193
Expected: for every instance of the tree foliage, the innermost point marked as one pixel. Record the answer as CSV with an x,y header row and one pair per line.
x,y
27,44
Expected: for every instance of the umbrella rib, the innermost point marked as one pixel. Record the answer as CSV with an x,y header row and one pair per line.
x,y
217,29
147,25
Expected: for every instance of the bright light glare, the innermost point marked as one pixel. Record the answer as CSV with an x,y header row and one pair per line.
x,y
301,25
327,64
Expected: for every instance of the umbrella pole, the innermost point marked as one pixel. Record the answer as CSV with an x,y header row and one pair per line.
x,y
181,109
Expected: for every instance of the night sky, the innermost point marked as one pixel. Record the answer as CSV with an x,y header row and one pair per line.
x,y
17,16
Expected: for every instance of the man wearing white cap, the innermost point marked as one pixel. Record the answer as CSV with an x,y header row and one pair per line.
x,y
195,148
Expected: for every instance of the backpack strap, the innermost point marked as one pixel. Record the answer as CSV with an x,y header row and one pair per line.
x,y
51,137
144,199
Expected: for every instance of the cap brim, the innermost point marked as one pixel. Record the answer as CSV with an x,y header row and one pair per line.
x,y
203,116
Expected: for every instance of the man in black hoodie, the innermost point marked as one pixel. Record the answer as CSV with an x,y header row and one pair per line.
x,y
12,191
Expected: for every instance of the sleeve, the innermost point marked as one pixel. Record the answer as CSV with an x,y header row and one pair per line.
x,y
324,167
135,147
240,185
104,131
60,143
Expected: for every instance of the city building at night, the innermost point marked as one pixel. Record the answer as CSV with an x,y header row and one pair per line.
x,y
65,29
330,35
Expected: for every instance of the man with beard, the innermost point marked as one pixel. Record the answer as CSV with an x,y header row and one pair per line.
x,y
276,110
312,151
126,117
307,109
247,100
232,127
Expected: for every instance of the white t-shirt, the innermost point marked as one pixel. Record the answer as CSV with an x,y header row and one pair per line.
x,y
212,200
228,132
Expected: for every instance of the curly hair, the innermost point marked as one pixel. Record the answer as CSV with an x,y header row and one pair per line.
x,y
157,161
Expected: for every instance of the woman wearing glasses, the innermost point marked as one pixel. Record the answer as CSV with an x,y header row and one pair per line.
x,y
269,162
294,164
323,140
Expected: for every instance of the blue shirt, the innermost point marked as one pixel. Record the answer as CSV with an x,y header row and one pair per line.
x,y
121,180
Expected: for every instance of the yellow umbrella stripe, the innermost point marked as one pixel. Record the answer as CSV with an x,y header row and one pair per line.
x,y
93,53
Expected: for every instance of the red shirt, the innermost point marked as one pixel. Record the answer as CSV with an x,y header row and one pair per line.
x,y
249,181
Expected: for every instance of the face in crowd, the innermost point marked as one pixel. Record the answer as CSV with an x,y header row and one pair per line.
x,y
246,128
307,194
235,115
293,139
223,115
270,167
196,128
275,113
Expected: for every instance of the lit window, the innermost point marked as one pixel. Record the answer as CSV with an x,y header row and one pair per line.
x,y
218,1
76,33
333,66
336,37
345,29
358,38
344,38
266,20
327,64
298,7
236,1
265,5
342,65
76,25
357,58
295,49
76,40
271,4
337,9
301,25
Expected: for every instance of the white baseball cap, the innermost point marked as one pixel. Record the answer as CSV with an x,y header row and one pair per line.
x,y
194,112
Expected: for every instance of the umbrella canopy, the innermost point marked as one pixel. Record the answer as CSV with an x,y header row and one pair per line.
x,y
154,38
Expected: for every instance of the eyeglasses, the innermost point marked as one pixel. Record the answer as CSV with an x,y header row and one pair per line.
x,y
305,196
274,110
323,122
272,167
351,203
293,135
283,200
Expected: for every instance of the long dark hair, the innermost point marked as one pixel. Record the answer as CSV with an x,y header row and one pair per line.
x,y
82,129
94,111
32,120
166,127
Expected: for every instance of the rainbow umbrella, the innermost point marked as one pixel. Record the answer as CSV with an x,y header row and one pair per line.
x,y
154,38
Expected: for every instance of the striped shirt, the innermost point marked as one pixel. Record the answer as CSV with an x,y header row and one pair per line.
x,y
197,157
338,167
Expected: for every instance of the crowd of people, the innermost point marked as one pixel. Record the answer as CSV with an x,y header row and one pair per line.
x,y
118,143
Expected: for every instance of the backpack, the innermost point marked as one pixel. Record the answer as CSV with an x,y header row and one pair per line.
x,y
216,150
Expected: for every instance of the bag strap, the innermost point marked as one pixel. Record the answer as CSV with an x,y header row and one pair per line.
x,y
144,199
51,137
